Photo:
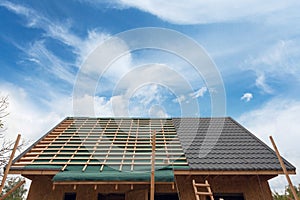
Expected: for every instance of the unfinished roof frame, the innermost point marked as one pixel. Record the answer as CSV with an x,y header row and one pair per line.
x,y
101,142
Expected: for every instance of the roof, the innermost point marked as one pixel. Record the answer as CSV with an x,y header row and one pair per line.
x,y
83,148
223,144
97,148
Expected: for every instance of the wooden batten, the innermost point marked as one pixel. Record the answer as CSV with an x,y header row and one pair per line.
x,y
34,172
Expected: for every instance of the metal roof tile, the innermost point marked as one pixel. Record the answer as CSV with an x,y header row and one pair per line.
x,y
235,148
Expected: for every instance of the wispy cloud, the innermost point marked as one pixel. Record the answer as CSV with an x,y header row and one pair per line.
x,y
179,99
260,82
56,30
38,53
195,12
247,96
277,61
279,57
199,93
59,30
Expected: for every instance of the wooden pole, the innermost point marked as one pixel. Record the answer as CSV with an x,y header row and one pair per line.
x,y
9,163
152,187
284,169
12,190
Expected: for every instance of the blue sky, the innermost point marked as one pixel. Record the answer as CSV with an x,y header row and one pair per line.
x,y
254,45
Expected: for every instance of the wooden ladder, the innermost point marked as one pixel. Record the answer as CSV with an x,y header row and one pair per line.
x,y
208,193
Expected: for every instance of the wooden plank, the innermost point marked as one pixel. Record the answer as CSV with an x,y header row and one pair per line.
x,y
195,190
209,190
34,172
152,186
165,146
133,155
284,169
110,147
109,183
125,151
202,185
10,162
204,193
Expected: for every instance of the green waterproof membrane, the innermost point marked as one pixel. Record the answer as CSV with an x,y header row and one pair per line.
x,y
93,173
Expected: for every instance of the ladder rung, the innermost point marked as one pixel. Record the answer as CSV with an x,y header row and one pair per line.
x,y
202,185
204,193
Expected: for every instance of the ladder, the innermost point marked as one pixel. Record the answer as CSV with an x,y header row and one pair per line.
x,y
208,193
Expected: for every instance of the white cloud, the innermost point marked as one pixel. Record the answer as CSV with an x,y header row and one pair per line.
x,y
194,12
278,61
199,93
179,99
279,118
247,96
24,117
260,82
279,57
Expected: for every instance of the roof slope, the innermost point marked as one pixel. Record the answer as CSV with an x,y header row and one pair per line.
x,y
223,144
97,148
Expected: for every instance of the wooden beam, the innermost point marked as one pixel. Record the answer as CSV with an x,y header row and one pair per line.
x,y
108,183
152,186
284,169
9,162
34,172
12,190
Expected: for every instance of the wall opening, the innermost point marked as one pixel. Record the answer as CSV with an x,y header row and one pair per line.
x,y
70,196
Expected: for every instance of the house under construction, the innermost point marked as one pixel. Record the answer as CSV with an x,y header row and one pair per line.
x,y
111,159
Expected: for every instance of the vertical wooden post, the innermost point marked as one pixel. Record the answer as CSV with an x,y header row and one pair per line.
x,y
152,187
9,162
284,169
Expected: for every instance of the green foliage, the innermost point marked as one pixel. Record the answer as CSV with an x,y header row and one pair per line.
x,y
18,194
288,195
